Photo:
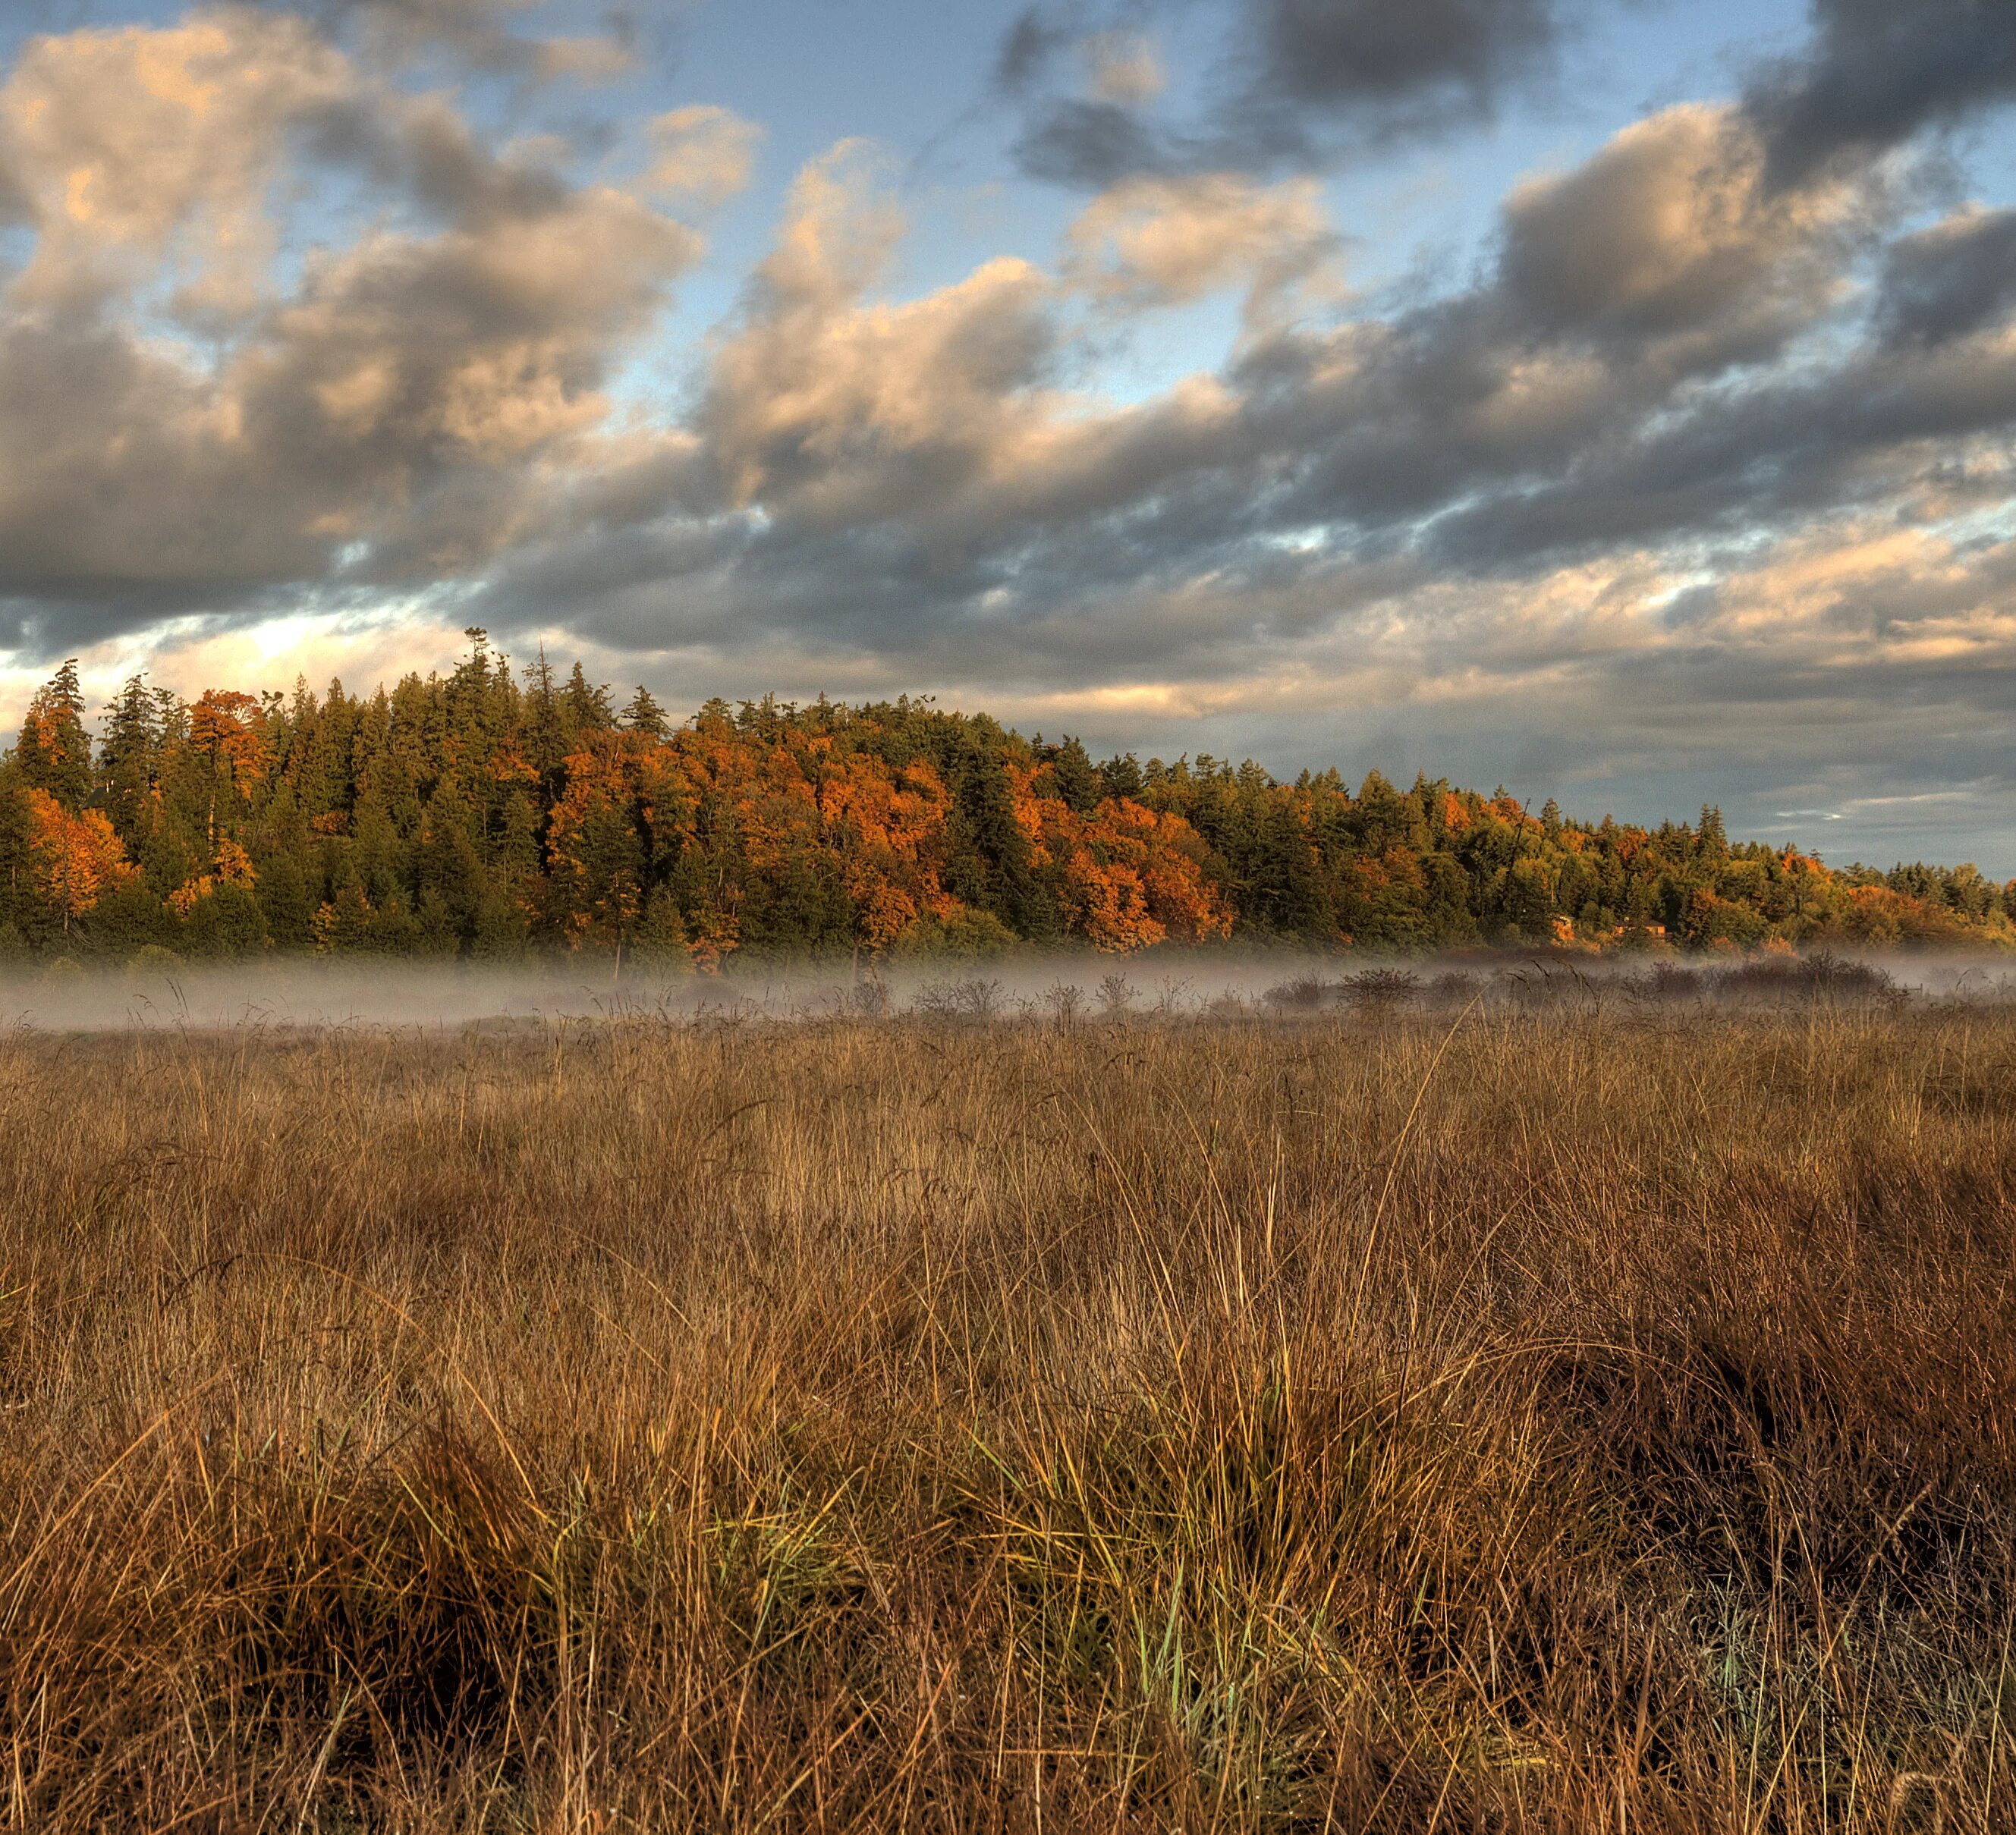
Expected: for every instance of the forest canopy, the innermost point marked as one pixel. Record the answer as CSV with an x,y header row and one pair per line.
x,y
493,812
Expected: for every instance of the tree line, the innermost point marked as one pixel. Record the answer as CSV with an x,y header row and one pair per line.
x,y
492,812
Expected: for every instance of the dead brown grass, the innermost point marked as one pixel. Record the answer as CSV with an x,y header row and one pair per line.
x,y
1583,1422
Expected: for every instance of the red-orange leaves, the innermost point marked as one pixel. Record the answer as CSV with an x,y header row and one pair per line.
x,y
228,729
882,827
596,855
739,808
1126,877
73,859
231,866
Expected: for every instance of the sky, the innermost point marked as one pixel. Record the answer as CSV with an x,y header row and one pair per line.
x,y
1609,399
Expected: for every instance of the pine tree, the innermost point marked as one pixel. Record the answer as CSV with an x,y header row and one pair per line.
x,y
54,752
129,755
1287,891
661,939
469,710
589,707
1121,776
1078,782
644,714
549,728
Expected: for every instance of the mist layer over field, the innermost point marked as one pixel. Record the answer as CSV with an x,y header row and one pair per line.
x,y
1065,986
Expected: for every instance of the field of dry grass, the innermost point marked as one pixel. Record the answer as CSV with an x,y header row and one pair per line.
x,y
1551,1419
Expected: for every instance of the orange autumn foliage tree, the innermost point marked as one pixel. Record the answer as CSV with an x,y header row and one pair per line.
x,y
53,752
74,857
225,727
231,866
833,842
883,825
1129,878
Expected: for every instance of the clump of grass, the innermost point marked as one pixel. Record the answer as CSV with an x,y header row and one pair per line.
x,y
1820,975
1301,994
1555,1418
1383,987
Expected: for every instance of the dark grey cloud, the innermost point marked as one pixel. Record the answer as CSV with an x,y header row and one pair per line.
x,y
1411,66
1306,82
1950,280
1093,144
1033,41
1303,82
1877,72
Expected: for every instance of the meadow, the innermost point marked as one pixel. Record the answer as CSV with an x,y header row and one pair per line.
x,y
1587,1411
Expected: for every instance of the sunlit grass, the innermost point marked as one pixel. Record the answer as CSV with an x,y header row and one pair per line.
x,y
1550,1419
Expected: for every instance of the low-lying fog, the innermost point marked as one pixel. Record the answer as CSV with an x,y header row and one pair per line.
x,y
1064,987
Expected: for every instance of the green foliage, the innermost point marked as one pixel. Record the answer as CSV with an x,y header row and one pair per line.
x,y
53,752
152,961
644,715
478,814
226,922
972,936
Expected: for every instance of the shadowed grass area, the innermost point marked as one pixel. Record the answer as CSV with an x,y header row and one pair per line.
x,y
1540,1418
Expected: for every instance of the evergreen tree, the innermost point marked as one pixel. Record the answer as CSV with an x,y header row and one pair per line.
x,y
129,755
550,724
54,751
661,939
589,708
1077,783
1121,776
644,715
287,907
1286,891
16,836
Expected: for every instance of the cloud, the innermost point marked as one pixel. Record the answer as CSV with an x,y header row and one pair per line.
x,y
830,407
1163,242
1403,69
1305,82
1124,67
702,153
1951,280
387,411
1878,71
131,148
473,35
1670,230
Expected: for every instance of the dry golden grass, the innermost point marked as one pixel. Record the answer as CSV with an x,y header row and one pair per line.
x,y
1589,1422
